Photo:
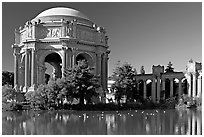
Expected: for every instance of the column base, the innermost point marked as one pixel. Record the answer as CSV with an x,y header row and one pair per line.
x,y
32,88
25,89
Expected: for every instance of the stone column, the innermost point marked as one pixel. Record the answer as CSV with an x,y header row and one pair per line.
x,y
158,89
64,61
29,68
180,88
16,66
98,68
16,55
194,85
153,90
163,88
68,63
26,70
171,87
99,63
33,76
74,56
199,86
21,76
189,85
103,71
144,88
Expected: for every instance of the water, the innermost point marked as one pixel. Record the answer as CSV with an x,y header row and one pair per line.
x,y
143,122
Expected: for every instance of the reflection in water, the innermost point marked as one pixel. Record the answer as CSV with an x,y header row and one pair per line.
x,y
164,122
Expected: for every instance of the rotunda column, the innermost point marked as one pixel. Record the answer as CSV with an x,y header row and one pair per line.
x,y
33,72
68,58
26,70
73,56
21,76
64,50
16,55
99,66
103,71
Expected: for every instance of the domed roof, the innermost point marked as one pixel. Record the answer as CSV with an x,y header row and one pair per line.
x,y
62,11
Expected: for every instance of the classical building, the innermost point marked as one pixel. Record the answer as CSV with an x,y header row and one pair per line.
x,y
61,37
193,75
158,82
161,84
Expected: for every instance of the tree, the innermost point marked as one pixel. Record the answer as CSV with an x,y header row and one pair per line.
x,y
39,97
8,94
169,67
125,82
7,78
84,82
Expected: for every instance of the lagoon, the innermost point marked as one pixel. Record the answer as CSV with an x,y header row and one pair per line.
x,y
135,122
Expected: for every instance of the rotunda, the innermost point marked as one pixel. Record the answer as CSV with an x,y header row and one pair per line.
x,y
59,36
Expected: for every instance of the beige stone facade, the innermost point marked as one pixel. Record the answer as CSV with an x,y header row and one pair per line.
x,y
61,37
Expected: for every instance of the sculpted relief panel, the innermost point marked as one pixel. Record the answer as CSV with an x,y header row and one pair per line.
x,y
45,32
86,36
53,32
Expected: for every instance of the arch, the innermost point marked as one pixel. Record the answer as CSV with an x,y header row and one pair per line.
x,y
41,65
140,87
148,88
167,88
55,61
86,56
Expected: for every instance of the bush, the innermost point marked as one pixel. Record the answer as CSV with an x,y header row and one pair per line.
x,y
12,106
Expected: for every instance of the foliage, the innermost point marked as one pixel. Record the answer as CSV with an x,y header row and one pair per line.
x,y
79,83
169,68
10,98
7,78
125,82
38,98
84,82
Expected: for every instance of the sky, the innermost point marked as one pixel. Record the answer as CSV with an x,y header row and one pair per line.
x,y
142,34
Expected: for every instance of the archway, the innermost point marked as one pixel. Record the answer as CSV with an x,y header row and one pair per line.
x,y
141,88
167,88
85,56
54,60
149,88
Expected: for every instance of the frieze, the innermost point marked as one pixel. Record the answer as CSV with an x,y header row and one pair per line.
x,y
86,36
53,32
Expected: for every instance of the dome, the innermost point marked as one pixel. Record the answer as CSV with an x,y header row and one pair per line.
x,y
62,11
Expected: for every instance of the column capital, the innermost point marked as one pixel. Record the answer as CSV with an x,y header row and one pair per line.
x,y
64,48
74,48
171,79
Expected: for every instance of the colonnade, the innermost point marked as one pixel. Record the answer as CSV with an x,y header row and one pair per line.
x,y
194,84
157,86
